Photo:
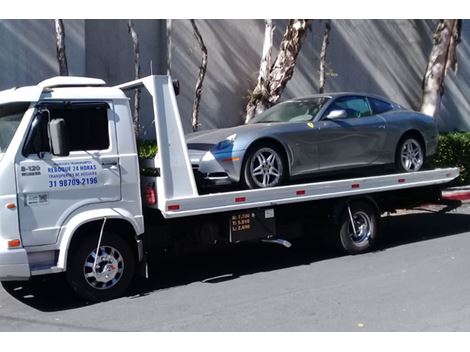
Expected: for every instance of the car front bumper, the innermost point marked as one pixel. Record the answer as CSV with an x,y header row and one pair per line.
x,y
217,168
14,265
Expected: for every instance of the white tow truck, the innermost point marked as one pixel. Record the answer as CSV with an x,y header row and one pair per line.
x,y
75,198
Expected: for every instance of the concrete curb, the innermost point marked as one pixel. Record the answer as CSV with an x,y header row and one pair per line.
x,y
457,193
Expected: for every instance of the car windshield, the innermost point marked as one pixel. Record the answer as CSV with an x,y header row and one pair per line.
x,y
10,117
292,111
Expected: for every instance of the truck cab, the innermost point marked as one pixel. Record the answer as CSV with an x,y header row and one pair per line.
x,y
68,160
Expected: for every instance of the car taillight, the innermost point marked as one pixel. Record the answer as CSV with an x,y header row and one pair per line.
x,y
150,194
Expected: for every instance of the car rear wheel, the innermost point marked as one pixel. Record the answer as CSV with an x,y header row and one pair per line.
x,y
264,167
410,155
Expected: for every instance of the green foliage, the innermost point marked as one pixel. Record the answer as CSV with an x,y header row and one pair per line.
x,y
454,151
147,149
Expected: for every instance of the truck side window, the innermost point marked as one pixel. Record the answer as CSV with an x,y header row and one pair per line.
x,y
87,126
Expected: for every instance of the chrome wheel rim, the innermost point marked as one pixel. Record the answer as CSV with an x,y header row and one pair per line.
x,y
363,227
266,167
411,155
108,269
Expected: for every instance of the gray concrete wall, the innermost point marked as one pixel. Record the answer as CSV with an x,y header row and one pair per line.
x,y
28,51
385,57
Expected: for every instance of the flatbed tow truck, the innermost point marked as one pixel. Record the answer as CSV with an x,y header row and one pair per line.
x,y
75,198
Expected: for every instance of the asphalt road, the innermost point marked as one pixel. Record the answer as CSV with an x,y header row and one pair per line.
x,y
417,280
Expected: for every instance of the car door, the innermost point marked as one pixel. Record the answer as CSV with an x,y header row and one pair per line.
x,y
355,138
51,187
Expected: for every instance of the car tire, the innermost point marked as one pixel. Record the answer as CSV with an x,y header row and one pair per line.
x,y
410,155
264,166
115,267
366,226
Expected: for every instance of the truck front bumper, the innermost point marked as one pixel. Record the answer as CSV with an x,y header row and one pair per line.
x,y
14,265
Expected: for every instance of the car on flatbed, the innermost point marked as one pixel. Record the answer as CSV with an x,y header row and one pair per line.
x,y
318,134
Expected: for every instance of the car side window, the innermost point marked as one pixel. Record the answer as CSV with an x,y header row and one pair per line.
x,y
379,106
354,106
87,127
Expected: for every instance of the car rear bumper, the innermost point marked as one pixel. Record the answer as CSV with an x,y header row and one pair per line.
x,y
14,265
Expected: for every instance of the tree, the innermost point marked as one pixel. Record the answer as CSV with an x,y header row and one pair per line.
x,y
256,106
135,44
442,57
60,44
200,78
169,26
324,46
281,70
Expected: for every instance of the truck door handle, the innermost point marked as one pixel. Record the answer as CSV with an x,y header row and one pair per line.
x,y
109,163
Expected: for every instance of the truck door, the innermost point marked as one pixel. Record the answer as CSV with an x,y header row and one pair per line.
x,y
51,187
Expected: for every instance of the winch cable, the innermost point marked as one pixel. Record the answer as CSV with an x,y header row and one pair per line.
x,y
99,245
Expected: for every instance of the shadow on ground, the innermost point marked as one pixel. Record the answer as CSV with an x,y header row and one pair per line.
x,y
52,293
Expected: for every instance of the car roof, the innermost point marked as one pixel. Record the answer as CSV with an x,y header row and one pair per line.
x,y
339,94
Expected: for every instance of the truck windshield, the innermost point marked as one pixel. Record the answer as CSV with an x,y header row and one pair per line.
x,y
10,117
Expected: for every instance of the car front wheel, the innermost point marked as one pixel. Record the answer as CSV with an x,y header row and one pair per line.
x,y
264,167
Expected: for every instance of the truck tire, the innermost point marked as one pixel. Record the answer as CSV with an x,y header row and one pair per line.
x,y
366,224
114,268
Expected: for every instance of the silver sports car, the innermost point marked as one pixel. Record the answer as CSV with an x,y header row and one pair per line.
x,y
321,133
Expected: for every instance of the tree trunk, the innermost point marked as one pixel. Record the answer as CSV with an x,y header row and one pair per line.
x,y
200,79
257,103
442,57
60,44
282,69
169,26
324,46
135,44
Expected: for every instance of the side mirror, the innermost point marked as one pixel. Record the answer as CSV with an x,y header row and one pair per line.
x,y
337,114
59,137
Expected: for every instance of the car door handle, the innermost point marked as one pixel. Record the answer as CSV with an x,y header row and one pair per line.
x,y
109,163
382,126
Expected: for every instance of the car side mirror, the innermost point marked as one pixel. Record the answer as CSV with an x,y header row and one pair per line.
x,y
337,114
59,137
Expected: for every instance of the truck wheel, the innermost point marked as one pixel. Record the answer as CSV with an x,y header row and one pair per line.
x,y
112,273
360,237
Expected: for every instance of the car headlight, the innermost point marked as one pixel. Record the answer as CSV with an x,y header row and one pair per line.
x,y
226,143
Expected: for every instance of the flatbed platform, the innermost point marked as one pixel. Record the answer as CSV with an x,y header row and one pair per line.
x,y
245,199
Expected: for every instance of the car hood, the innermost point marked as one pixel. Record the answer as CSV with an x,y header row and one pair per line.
x,y
211,137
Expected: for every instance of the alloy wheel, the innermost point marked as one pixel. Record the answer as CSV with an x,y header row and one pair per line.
x,y
266,167
411,155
